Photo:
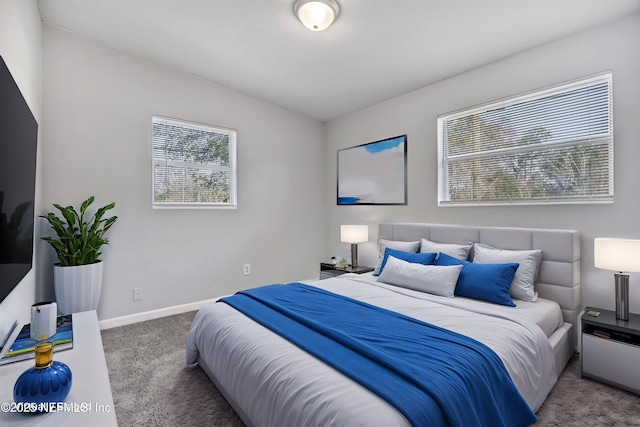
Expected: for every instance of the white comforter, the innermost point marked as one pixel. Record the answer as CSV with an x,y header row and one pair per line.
x,y
277,384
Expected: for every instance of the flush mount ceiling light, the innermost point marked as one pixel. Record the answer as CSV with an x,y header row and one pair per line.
x,y
316,15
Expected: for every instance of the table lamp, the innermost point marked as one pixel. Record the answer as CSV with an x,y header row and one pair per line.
x,y
622,255
354,234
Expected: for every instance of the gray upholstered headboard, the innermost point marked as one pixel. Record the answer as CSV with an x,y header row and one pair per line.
x,y
559,274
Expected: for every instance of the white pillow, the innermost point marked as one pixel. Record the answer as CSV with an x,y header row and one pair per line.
x,y
398,245
451,249
522,285
437,280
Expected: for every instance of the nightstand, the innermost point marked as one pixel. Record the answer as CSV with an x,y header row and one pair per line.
x,y
328,270
611,349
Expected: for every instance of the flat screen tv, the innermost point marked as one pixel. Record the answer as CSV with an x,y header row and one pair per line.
x,y
18,140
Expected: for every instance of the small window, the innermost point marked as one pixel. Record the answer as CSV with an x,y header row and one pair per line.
x,y
194,165
552,146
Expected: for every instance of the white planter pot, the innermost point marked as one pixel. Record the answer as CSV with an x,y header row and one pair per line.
x,y
78,288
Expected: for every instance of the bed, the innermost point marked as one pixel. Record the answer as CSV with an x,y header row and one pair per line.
x,y
272,382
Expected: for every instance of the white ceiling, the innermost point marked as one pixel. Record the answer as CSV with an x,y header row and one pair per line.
x,y
375,50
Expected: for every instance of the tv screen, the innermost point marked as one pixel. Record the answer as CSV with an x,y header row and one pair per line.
x,y
18,140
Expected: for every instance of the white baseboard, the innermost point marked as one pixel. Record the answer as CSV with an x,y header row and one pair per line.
x,y
162,312
153,314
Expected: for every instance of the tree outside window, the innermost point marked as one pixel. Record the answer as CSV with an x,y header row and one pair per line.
x,y
553,146
193,164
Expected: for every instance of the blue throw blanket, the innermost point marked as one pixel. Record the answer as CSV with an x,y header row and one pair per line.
x,y
433,376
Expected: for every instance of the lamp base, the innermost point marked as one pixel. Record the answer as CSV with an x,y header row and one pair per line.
x,y
622,296
354,255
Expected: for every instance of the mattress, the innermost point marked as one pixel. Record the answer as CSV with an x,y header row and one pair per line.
x,y
274,383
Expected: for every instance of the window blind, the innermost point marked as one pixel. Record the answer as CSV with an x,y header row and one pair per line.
x,y
193,164
552,146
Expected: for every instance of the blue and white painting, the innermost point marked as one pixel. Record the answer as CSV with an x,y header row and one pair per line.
x,y
374,173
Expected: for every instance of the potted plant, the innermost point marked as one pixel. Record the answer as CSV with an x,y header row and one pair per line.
x,y
78,276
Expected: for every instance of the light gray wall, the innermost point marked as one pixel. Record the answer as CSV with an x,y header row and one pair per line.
x,y
615,46
94,136
21,49
98,104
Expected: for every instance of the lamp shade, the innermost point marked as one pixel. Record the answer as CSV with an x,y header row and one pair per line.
x,y
621,255
316,15
354,233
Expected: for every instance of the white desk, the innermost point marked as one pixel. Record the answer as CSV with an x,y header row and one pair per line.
x,y
90,388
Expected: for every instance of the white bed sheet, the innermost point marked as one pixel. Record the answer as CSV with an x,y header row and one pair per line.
x,y
545,313
277,384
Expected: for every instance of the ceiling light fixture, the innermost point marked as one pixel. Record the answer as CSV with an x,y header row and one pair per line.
x,y
316,15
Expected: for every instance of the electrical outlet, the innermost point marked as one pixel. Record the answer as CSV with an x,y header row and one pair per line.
x,y
137,294
246,269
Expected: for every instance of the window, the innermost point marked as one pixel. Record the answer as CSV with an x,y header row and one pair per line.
x,y
194,165
552,146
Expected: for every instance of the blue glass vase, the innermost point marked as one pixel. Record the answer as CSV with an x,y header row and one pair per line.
x,y
46,382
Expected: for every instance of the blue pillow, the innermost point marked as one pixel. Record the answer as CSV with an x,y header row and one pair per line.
x,y
487,282
425,259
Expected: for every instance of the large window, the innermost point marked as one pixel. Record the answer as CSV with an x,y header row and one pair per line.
x,y
194,165
552,146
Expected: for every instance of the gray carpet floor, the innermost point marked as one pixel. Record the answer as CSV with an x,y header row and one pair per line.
x,y
152,386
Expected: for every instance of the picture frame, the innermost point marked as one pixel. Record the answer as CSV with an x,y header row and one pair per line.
x,y
374,173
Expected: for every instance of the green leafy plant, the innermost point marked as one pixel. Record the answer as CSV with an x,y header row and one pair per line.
x,y
79,239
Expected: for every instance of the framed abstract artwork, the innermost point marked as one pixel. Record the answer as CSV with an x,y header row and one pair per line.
x,y
373,173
